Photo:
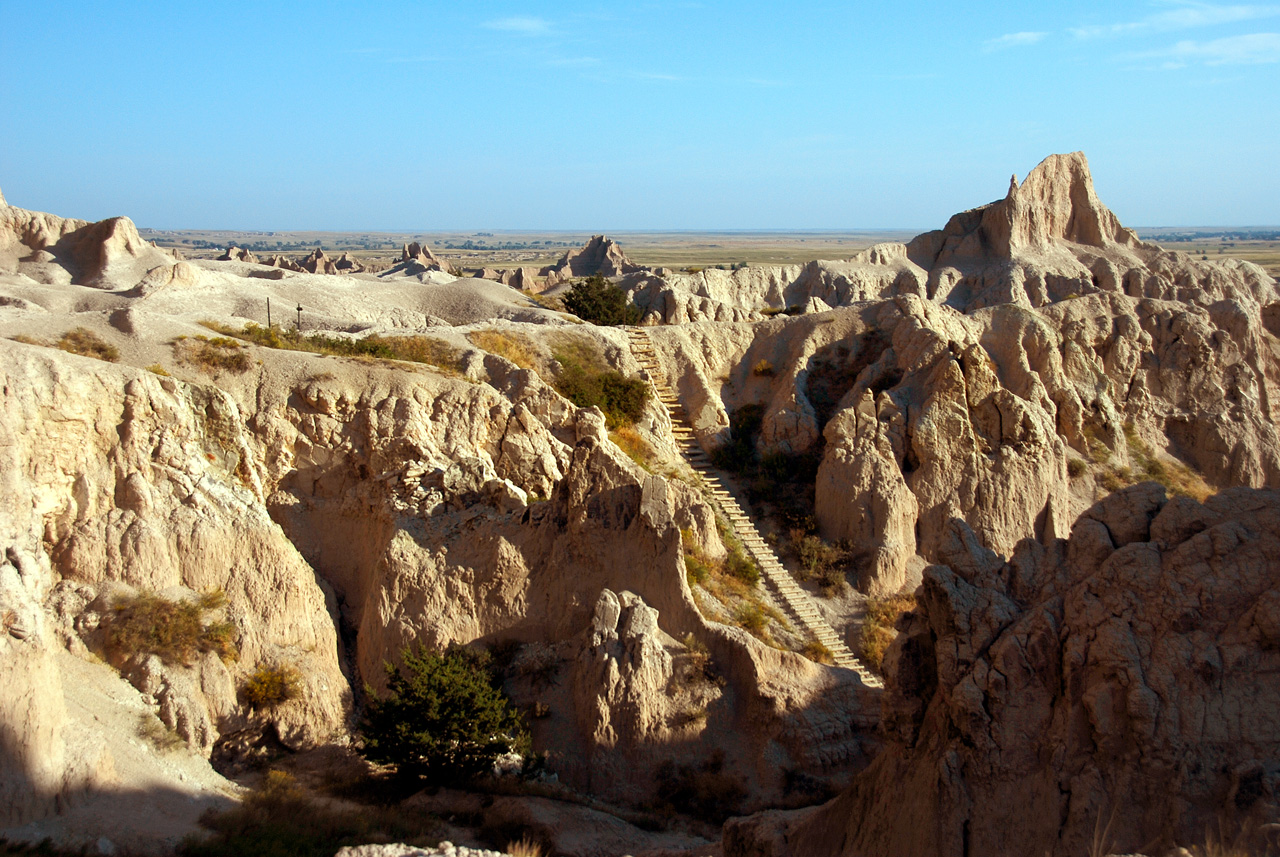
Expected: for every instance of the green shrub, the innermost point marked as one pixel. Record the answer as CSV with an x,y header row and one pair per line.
x,y
763,369
86,343
269,686
1076,468
599,301
739,454
586,384
174,630
696,570
443,719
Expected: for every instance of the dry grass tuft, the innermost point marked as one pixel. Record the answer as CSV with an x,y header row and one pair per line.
x,y
877,629
512,346
219,354
164,739
157,369
818,653
411,349
176,631
525,847
269,686
630,441
1176,477
86,343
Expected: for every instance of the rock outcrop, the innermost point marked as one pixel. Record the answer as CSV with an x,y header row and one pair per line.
x,y
51,250
1115,686
600,255
238,254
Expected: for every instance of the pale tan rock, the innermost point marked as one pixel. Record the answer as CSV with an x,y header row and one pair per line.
x,y
238,254
600,255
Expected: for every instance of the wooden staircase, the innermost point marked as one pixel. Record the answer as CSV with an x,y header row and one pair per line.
x,y
787,591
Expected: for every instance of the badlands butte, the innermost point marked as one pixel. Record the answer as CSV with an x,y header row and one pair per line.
x,y
1054,446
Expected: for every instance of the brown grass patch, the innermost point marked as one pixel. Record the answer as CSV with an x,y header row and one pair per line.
x,y
818,653
174,630
217,354
877,629
630,441
411,349
86,343
514,347
269,686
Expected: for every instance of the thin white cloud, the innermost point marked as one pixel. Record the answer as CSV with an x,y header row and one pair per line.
x,y
1012,40
525,26
414,59
1185,16
1251,49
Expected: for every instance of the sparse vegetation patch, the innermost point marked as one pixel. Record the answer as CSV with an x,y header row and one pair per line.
x,y
512,346
278,819
86,343
634,445
219,353
583,380
734,583
412,349
878,627
177,631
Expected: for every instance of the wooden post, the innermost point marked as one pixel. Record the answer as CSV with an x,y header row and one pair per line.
x,y
268,313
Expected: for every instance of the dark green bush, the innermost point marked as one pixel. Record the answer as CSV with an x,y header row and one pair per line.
x,y
444,718
599,301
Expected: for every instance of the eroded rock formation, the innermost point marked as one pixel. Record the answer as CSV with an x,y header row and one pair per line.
x,y
1115,686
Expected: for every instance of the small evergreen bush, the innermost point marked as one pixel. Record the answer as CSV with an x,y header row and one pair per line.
x,y
443,719
599,301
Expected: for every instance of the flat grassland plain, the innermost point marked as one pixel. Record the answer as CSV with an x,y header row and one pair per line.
x,y
472,250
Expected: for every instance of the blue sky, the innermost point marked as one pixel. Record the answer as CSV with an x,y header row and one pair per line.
x,y
664,115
